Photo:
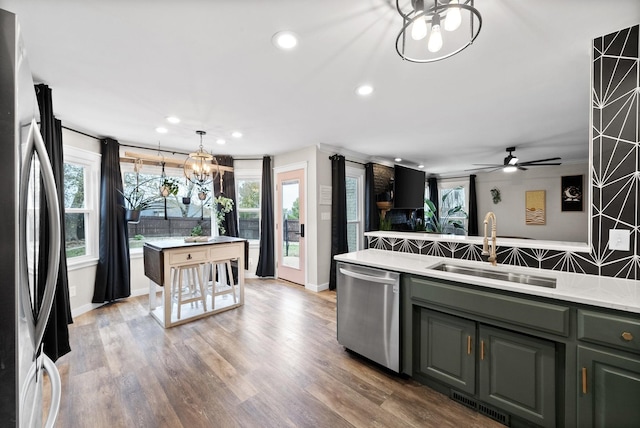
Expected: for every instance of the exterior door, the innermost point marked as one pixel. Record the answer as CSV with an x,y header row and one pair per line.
x,y
290,225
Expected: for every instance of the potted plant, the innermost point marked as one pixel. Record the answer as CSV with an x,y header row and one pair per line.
x,y
168,187
447,223
136,201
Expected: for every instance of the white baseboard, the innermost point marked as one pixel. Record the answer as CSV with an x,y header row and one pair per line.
x,y
84,309
317,287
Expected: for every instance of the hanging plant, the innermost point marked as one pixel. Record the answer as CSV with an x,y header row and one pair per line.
x,y
169,187
495,195
224,206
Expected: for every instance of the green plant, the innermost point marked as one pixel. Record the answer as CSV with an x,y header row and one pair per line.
x,y
447,223
224,205
385,223
169,186
197,230
138,237
136,199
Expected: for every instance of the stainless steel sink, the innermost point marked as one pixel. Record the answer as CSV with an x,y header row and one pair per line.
x,y
519,278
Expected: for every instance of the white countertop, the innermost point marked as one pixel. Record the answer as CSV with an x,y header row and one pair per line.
x,y
574,247
600,291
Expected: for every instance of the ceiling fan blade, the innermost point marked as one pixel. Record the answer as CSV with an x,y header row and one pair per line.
x,y
521,168
485,167
542,164
538,161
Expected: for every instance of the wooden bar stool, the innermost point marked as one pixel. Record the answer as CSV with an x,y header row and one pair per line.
x,y
194,287
219,288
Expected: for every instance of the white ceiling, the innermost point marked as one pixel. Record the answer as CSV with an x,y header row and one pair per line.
x,y
118,68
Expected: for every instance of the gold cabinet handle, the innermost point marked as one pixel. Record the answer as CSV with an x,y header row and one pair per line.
x,y
584,380
482,349
468,345
627,336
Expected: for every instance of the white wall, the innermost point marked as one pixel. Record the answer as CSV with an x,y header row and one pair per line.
x,y
510,212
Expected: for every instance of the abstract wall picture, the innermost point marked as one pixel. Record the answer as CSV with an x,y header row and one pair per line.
x,y
535,207
572,193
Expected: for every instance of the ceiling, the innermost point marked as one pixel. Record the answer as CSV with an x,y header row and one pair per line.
x,y
119,68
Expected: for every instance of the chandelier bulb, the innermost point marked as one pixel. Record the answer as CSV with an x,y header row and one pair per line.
x,y
454,17
419,27
435,38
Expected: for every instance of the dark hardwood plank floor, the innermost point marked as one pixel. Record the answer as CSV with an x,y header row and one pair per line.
x,y
273,362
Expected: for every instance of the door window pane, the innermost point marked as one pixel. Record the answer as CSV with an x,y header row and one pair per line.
x,y
291,224
352,213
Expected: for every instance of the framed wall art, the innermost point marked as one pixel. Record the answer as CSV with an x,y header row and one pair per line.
x,y
572,191
535,206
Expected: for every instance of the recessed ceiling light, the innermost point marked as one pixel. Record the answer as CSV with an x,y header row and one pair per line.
x,y
161,130
285,40
221,141
364,90
420,166
398,159
236,134
173,119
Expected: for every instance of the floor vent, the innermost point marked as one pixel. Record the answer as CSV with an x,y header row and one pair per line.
x,y
463,399
493,414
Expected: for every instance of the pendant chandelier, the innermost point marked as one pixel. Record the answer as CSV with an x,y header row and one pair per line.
x,y
433,30
201,167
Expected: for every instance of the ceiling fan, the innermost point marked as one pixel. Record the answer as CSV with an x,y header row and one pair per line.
x,y
511,163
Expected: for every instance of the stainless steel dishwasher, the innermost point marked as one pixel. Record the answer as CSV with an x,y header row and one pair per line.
x,y
368,303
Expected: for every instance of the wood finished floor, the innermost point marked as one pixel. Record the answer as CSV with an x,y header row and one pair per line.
x,y
274,362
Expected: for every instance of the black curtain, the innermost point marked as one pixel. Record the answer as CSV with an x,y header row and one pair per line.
x,y
473,207
113,279
371,213
266,258
433,194
229,191
338,213
56,336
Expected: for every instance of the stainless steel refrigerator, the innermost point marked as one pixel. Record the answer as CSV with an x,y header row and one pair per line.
x,y
25,176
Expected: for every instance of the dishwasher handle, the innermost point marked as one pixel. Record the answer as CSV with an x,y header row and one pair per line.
x,y
378,279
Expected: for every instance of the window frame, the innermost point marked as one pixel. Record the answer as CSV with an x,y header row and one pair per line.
x,y
248,175
90,161
358,174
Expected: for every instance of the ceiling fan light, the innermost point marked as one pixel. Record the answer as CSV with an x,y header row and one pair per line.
x,y
510,168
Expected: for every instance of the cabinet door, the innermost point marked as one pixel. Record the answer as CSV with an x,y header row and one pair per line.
x,y
517,374
608,389
447,349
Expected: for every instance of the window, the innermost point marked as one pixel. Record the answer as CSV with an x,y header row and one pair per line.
x,y
355,197
188,206
81,190
453,207
248,192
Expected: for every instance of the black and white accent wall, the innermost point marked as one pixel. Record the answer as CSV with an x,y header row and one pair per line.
x,y
614,175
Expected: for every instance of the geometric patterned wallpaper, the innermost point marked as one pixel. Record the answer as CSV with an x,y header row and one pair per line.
x,y
614,178
615,175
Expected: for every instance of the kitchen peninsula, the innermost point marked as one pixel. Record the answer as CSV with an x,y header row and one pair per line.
x,y
210,264
551,353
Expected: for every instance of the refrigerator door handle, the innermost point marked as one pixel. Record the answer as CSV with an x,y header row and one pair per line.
x,y
38,323
32,380
378,279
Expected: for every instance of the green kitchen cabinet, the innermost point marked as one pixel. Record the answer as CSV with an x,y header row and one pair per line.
x,y
447,349
608,389
517,373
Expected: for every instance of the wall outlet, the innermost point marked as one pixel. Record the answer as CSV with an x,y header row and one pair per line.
x,y
325,216
619,239
72,291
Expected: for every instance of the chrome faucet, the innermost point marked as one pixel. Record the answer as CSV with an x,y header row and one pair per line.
x,y
485,243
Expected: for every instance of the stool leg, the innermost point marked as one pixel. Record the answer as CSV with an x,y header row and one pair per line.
x,y
203,294
231,283
180,283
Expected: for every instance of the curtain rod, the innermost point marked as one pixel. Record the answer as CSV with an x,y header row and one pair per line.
x,y
80,132
352,161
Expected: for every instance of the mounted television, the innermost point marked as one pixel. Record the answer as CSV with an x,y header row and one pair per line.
x,y
409,188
